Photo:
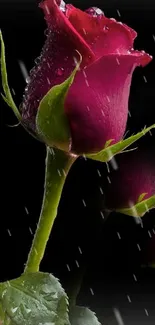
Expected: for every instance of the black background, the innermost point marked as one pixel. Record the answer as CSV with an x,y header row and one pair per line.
x,y
110,262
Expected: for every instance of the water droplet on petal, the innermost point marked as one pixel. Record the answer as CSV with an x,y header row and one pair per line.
x,y
113,19
106,28
95,12
37,60
59,71
27,79
62,6
46,32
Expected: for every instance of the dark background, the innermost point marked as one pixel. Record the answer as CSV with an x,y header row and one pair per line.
x,y
111,263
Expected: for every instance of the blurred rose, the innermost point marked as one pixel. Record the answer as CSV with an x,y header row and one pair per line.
x,y
134,176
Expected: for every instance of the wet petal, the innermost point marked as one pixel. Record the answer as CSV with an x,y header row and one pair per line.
x,y
57,59
58,22
97,102
104,35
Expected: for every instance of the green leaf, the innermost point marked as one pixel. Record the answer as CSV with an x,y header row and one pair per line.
x,y
2,314
108,153
139,209
7,97
34,299
82,316
51,121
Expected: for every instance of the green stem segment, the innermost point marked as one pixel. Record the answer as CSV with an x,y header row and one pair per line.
x,y
58,164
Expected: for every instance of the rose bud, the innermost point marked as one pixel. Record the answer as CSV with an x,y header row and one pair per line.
x,y
96,104
132,183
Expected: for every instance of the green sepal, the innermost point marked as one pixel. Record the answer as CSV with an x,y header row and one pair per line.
x,y
107,144
108,153
141,197
7,97
82,316
51,121
32,299
140,208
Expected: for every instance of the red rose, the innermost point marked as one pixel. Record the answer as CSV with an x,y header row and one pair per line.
x,y
97,102
134,176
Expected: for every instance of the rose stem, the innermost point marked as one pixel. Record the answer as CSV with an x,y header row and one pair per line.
x,y
58,165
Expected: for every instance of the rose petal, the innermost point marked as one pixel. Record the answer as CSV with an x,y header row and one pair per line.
x,y
58,22
56,61
97,102
135,175
104,36
94,11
